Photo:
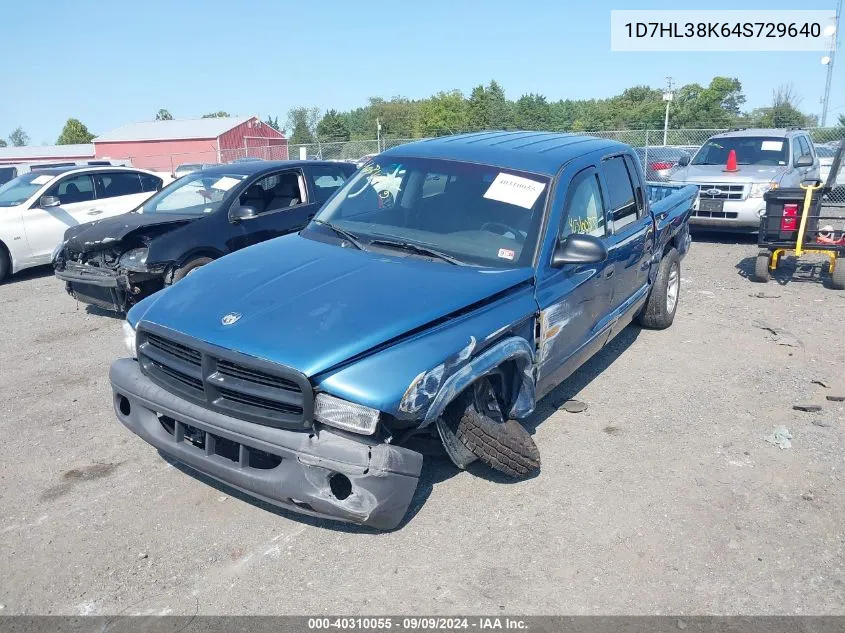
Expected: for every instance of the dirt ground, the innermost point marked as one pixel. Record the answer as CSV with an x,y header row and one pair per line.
x,y
663,497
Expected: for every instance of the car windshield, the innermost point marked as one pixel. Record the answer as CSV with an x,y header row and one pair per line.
x,y
750,150
20,189
465,212
195,194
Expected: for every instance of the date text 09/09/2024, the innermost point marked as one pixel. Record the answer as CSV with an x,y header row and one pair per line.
x,y
419,623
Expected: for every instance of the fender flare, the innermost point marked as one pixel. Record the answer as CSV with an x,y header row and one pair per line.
x,y
510,349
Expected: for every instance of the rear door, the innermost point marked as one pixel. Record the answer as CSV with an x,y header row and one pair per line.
x,y
45,228
282,204
119,192
574,300
631,239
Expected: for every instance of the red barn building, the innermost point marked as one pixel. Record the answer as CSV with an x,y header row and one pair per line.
x,y
164,145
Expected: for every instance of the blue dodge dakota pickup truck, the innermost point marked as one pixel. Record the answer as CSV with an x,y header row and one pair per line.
x,y
443,290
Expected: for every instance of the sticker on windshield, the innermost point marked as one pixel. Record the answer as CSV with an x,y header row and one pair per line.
x,y
225,183
43,179
771,146
515,190
506,253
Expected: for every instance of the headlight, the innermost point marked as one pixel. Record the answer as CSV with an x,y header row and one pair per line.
x,y
345,415
129,339
135,260
759,188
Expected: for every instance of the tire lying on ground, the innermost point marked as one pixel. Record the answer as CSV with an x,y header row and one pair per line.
x,y
475,418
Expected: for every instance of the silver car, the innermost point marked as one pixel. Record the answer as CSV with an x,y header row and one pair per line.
x,y
732,199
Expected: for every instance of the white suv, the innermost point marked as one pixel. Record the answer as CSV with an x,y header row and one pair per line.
x,y
37,208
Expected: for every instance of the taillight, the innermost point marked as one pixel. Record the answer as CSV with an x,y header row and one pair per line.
x,y
789,221
660,166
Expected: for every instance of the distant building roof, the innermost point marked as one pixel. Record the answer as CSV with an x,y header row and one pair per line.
x,y
173,130
35,152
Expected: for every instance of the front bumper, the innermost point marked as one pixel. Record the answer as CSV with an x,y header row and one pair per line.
x,y
736,214
301,471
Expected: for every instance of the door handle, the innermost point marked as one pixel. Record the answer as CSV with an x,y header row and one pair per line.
x,y
608,272
95,212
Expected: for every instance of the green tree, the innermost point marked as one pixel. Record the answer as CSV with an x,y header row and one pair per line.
x,y
444,113
332,127
74,132
532,112
717,105
216,115
273,123
18,137
784,111
302,122
841,120
164,115
488,109
399,117
2,143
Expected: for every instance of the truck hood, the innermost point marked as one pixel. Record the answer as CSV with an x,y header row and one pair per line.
x,y
93,236
311,306
717,174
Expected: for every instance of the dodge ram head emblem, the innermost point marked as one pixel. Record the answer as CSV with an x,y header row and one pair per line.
x,y
713,192
231,318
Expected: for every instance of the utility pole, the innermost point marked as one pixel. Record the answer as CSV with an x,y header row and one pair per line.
x,y
827,60
668,95
378,135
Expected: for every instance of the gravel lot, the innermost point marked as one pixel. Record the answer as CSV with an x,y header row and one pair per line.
x,y
663,497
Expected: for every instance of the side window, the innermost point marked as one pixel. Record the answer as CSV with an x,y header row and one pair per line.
x,y
119,183
796,149
584,211
623,208
636,177
805,146
325,180
74,189
150,183
273,193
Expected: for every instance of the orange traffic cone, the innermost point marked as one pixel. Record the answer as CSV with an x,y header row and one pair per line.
x,y
731,166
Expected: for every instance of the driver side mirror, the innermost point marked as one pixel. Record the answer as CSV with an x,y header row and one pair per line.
x,y
683,161
804,161
242,213
47,202
579,249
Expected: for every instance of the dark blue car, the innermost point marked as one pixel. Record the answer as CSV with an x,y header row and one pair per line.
x,y
443,290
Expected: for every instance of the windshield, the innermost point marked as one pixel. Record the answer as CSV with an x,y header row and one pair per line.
x,y
22,188
750,150
474,214
195,194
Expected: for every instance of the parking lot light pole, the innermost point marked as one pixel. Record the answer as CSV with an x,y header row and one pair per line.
x,y
667,97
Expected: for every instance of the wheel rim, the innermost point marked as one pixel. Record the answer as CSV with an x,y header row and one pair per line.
x,y
672,289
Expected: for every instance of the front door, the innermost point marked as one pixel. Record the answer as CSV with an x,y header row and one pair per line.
x,y
282,206
574,300
45,228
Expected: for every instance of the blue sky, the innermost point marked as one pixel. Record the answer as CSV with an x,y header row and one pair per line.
x,y
110,63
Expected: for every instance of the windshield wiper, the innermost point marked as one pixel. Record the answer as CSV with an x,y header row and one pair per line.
x,y
349,237
418,249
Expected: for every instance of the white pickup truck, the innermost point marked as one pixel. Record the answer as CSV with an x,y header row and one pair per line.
x,y
38,207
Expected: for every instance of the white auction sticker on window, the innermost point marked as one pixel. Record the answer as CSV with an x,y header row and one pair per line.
x,y
506,253
771,146
43,179
516,190
225,183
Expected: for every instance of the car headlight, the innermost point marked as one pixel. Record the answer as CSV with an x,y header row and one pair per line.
x,y
129,339
135,260
759,188
345,415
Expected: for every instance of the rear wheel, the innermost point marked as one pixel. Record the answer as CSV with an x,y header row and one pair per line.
x,y
189,267
837,277
478,424
662,303
762,274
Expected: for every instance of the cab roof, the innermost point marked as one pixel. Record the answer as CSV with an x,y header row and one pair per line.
x,y
56,171
536,152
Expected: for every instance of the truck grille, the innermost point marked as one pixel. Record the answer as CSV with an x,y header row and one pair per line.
x,y
225,381
725,192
